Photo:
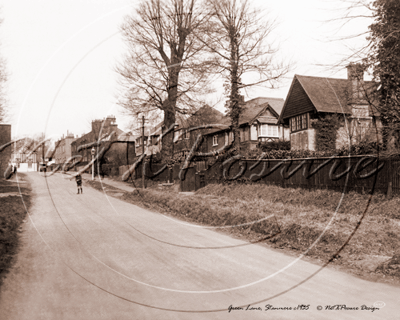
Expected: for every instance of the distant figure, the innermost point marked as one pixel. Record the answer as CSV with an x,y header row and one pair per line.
x,y
79,183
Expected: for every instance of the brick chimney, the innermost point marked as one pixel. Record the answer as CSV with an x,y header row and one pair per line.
x,y
355,75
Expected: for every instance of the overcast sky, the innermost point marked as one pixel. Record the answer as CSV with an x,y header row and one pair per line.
x,y
61,57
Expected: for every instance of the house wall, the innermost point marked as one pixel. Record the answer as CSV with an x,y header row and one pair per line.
x,y
5,154
63,151
253,133
221,141
360,129
342,138
285,133
303,140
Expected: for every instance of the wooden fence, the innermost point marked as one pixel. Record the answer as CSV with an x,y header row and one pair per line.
x,y
361,174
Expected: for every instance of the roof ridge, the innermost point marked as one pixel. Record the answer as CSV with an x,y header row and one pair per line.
x,y
330,78
272,98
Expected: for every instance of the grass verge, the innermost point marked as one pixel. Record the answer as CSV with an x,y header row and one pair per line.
x,y
12,214
315,223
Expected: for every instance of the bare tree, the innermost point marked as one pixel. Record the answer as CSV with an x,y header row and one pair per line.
x,y
241,39
164,68
379,56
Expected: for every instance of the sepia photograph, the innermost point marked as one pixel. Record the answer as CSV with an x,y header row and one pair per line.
x,y
199,159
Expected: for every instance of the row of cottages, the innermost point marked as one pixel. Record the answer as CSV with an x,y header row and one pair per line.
x,y
312,99
257,123
121,152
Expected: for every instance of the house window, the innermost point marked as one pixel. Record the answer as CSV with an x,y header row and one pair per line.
x,y
304,121
273,131
268,130
226,138
264,130
215,140
187,134
298,123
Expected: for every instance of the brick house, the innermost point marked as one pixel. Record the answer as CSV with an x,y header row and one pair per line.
x,y
257,123
122,150
311,99
63,149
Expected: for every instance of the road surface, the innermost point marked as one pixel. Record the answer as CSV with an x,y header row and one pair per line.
x,y
91,256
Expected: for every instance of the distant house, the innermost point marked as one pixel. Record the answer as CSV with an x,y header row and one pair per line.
x,y
63,149
26,155
185,131
311,99
257,123
121,152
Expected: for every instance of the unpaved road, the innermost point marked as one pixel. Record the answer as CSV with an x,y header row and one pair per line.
x,y
91,256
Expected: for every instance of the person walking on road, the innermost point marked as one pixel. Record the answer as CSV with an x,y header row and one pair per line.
x,y
79,183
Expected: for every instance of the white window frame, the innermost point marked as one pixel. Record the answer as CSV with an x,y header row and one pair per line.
x,y
268,130
215,140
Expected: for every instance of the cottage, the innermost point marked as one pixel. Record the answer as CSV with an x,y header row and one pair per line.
x,y
257,123
342,106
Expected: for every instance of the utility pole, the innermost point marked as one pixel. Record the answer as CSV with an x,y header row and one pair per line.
x,y
143,170
93,153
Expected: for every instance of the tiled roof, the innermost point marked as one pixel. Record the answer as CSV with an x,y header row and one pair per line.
x,y
252,108
329,94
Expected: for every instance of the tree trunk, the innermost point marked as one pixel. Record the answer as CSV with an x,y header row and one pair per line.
x,y
167,150
235,108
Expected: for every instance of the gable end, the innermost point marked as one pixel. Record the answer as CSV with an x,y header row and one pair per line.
x,y
297,102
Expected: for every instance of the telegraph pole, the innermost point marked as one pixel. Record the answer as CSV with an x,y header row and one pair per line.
x,y
93,153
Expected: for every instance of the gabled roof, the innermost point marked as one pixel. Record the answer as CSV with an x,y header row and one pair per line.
x,y
253,109
267,119
326,94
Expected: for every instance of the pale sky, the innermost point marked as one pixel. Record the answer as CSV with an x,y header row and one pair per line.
x,y
61,56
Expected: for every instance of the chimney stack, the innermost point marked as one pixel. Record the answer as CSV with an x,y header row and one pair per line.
x,y
355,75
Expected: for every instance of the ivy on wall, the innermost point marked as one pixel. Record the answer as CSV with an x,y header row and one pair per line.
x,y
326,127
